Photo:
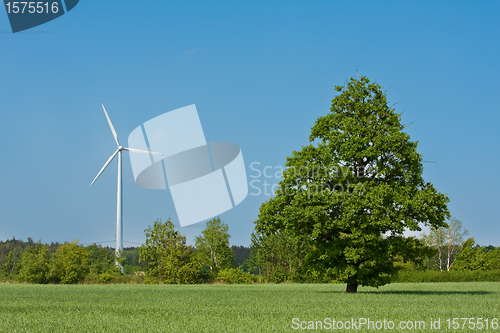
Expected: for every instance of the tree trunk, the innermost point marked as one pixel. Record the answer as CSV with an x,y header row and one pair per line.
x,y
351,288
440,259
448,259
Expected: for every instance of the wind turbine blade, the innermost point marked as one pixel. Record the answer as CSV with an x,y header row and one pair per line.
x,y
105,166
143,151
111,125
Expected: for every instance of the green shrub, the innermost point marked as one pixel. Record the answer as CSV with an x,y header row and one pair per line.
x,y
91,278
235,276
110,278
278,276
445,276
131,269
105,277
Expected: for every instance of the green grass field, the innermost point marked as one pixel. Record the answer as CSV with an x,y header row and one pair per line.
x,y
239,308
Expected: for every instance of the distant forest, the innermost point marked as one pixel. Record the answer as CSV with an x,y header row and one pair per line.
x,y
131,254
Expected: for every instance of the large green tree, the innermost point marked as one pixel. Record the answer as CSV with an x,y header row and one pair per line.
x,y
355,189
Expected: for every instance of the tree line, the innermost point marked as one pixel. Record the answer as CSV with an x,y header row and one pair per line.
x,y
163,258
166,258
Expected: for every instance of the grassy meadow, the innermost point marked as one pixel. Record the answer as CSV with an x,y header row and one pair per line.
x,y
238,308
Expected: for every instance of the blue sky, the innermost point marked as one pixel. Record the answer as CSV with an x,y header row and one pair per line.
x,y
260,74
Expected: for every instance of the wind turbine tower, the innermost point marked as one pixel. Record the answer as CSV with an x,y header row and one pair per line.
x,y
119,209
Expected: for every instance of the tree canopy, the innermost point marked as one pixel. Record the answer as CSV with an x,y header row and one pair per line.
x,y
355,189
213,245
168,259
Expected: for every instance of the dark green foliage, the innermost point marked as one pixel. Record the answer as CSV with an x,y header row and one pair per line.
x,y
11,251
102,259
240,256
355,190
7,268
17,246
132,265
101,266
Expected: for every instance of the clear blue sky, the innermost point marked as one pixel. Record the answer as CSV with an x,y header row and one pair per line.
x,y
260,73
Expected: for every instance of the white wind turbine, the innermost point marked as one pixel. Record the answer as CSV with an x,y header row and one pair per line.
x,y
119,218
